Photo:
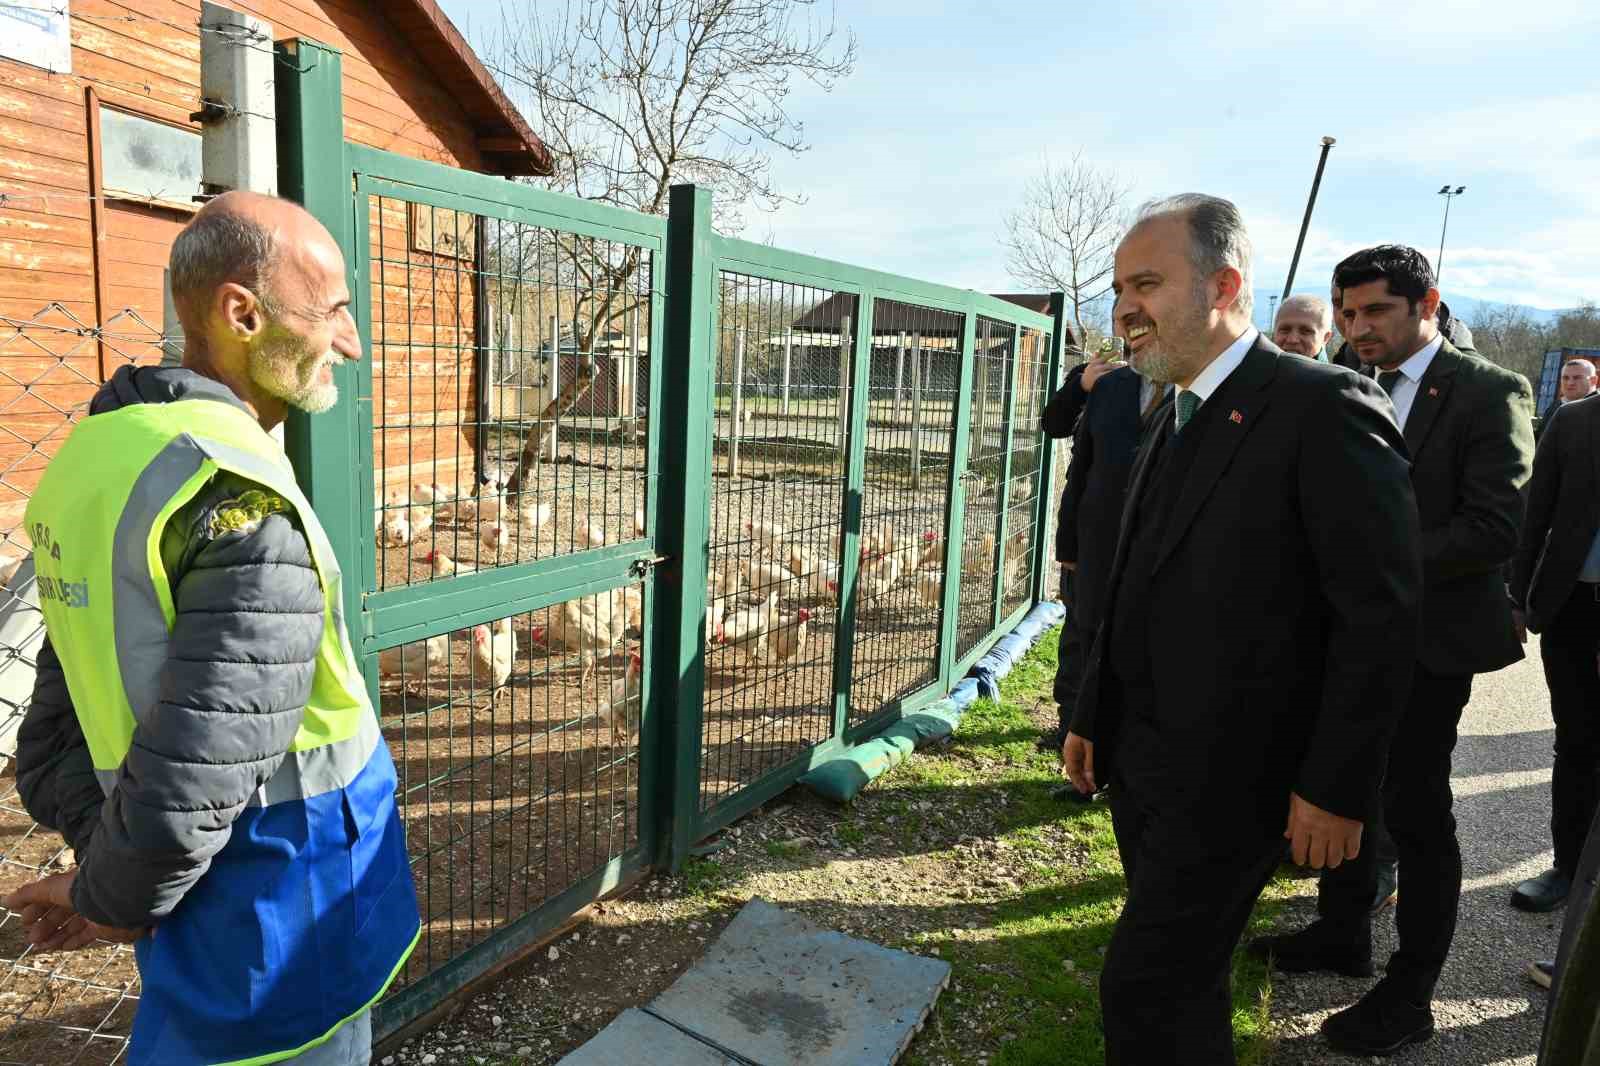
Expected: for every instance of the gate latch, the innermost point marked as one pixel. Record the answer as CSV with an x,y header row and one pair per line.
x,y
640,567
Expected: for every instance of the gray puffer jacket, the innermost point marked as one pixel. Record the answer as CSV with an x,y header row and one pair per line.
x,y
235,685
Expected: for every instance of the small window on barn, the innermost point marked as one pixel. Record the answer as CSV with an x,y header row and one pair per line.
x,y
150,161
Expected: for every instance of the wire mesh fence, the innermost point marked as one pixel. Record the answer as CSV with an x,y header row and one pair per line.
x,y
915,374
75,1007
511,385
781,411
1032,389
989,421
516,743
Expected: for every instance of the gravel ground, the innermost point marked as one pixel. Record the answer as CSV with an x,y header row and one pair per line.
x,y
1486,1010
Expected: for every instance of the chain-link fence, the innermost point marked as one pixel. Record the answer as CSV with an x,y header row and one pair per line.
x,y
75,1007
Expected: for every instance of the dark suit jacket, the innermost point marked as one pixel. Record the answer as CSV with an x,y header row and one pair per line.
x,y
1563,511
1284,601
1470,437
1104,446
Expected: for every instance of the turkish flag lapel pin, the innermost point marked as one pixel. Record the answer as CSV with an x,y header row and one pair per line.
x,y
1433,390
1236,418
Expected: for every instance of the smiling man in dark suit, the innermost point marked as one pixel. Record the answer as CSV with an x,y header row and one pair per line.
x,y
1468,428
1260,629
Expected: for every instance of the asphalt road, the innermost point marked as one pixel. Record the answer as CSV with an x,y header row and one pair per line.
x,y
1486,1010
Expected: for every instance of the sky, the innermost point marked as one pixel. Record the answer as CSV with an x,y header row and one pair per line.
x,y
916,158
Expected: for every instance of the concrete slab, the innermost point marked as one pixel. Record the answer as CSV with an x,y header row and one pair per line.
x,y
777,989
636,1037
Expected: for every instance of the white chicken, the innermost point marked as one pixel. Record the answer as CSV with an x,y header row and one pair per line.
x,y
979,555
494,647
788,637
633,604
879,575
426,495
881,539
932,553
396,532
624,695
444,566
495,539
414,661
930,587
590,535
535,514
638,521
590,626
745,631
768,535
767,579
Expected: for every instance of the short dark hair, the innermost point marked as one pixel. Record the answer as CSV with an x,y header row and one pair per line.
x,y
217,247
1405,269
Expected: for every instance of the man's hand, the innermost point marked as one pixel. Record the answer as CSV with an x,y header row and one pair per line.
x,y
1097,368
1519,622
1077,759
51,924
1320,838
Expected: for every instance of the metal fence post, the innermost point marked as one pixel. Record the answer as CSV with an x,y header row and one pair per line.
x,y
859,361
683,514
326,449
916,409
788,362
899,373
844,378
1008,412
736,409
955,521
1044,547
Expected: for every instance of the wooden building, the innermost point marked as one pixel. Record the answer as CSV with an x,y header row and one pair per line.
x,y
82,254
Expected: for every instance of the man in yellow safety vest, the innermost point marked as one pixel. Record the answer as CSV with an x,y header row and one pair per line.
x,y
200,731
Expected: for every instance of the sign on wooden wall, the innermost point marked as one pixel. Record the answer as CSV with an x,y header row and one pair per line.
x,y
37,34
442,232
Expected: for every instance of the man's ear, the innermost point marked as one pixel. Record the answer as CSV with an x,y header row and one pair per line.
x,y
1229,283
1430,303
239,311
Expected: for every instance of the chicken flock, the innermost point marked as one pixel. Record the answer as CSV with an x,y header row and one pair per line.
x,y
761,595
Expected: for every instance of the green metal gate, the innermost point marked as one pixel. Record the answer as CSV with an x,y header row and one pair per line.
x,y
582,622
501,611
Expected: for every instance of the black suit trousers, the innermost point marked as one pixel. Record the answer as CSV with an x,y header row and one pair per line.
x,y
1165,989
1417,813
1568,646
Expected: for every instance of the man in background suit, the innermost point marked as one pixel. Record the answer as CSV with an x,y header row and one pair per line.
x,y
1468,427
1102,405
1555,586
1259,635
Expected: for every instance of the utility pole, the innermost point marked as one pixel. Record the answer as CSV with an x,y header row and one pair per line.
x,y
1305,223
238,124
1448,194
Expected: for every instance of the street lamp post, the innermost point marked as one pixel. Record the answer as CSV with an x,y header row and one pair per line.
x,y
1448,194
1305,223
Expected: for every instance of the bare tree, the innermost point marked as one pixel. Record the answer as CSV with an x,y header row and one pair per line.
x,y
635,96
1064,232
1507,335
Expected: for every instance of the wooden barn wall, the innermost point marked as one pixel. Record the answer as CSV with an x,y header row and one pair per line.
x,y
144,65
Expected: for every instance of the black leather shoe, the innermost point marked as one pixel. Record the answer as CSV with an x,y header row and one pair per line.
x,y
1317,947
1379,1023
1070,794
1543,893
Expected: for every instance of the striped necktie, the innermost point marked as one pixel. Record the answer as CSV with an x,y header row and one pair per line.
x,y
1188,404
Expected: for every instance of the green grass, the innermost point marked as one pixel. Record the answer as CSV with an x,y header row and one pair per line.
x,y
1029,985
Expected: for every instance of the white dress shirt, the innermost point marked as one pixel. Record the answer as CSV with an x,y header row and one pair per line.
x,y
1411,371
1212,377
